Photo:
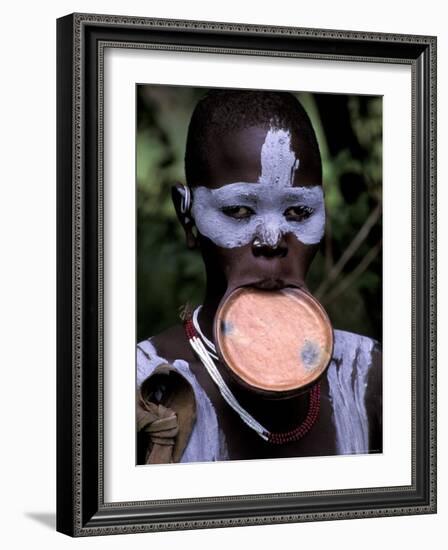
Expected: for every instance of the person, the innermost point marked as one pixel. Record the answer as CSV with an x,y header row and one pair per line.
x,y
246,151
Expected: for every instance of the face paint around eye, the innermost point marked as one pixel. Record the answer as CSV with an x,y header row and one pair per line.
x,y
298,213
237,213
267,220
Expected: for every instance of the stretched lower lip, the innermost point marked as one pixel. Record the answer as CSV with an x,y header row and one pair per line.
x,y
269,284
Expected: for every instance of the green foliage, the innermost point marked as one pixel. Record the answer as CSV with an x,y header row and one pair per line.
x,y
346,273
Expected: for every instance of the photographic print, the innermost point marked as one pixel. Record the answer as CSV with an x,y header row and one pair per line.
x,y
259,274
246,274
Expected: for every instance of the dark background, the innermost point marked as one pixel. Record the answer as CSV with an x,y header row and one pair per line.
x,y
346,274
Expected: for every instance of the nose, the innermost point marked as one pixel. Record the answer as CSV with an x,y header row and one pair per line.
x,y
277,249
269,232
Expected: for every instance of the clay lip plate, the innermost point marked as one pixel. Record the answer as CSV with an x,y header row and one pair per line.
x,y
274,340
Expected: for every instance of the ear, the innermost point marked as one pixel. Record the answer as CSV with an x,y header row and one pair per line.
x,y
179,194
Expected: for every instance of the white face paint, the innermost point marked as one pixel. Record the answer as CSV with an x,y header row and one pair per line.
x,y
237,213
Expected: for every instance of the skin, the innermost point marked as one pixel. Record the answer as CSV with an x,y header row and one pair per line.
x,y
237,158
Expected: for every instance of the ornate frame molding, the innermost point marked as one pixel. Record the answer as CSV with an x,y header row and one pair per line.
x,y
82,39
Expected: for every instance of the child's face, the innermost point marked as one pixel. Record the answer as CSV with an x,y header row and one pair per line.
x,y
260,213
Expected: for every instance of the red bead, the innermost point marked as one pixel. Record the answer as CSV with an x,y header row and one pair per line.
x,y
307,424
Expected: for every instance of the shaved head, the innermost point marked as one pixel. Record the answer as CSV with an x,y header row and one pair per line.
x,y
222,113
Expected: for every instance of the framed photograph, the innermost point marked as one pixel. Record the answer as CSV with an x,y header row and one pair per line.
x,y
246,274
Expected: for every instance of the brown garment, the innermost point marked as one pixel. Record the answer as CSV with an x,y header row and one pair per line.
x,y
166,413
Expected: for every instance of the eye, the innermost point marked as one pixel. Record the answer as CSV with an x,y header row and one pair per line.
x,y
298,213
238,212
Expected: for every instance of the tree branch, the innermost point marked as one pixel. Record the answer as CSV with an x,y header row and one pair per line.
x,y
359,270
349,251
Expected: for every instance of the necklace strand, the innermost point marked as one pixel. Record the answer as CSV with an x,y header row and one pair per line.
x,y
199,342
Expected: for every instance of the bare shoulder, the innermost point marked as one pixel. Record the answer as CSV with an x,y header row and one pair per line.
x,y
172,344
357,355
164,348
356,370
349,343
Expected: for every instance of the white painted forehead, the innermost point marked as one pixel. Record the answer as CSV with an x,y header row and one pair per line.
x,y
278,160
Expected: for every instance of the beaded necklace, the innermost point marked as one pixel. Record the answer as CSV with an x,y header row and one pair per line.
x,y
199,342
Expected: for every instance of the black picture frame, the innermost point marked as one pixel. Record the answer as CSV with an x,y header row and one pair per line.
x,y
81,510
